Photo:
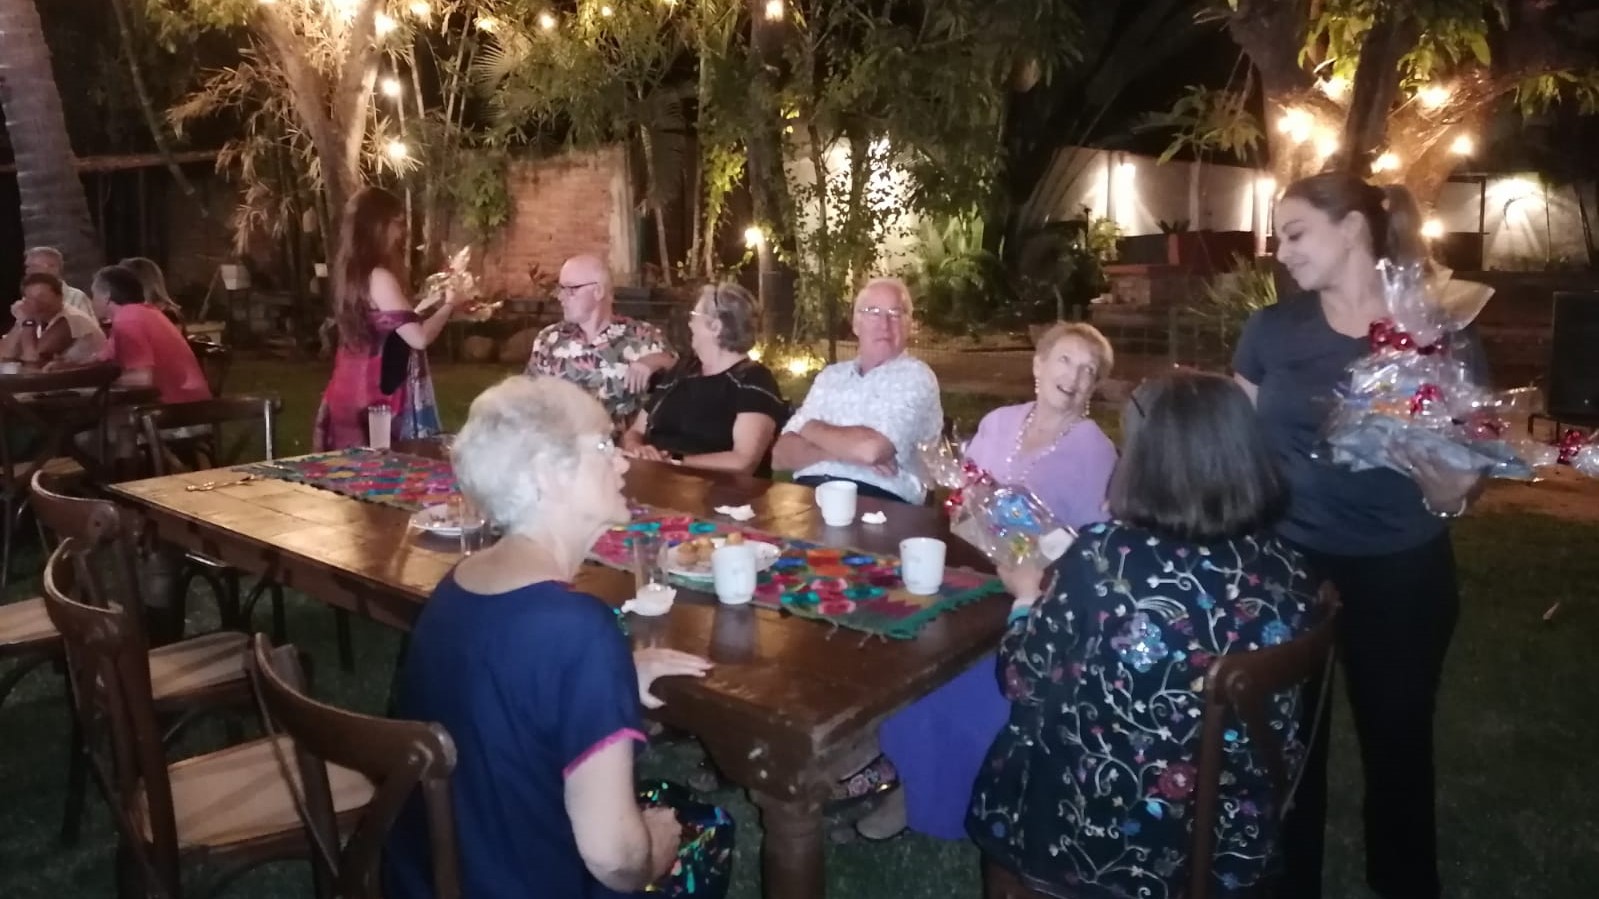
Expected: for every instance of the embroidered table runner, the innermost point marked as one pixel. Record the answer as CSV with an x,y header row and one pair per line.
x,y
850,588
375,476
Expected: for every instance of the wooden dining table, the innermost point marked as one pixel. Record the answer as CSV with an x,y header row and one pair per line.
x,y
792,705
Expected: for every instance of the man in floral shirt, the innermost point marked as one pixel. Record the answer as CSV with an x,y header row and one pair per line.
x,y
611,356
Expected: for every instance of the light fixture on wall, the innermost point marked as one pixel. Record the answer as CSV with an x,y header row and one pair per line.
x,y
1463,145
1432,229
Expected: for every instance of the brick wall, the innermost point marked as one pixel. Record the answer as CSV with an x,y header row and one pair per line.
x,y
563,206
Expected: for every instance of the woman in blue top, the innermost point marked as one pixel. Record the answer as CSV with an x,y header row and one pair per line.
x,y
1088,791
1382,538
533,679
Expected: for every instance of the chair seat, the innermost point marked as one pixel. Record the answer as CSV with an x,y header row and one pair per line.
x,y
197,663
59,467
239,794
25,621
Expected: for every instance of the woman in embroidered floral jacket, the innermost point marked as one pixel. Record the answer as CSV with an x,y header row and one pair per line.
x,y
1087,791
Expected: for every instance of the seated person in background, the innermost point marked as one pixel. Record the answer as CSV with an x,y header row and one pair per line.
x,y
49,261
1050,445
862,419
1088,791
611,356
48,330
150,349
533,679
721,409
155,287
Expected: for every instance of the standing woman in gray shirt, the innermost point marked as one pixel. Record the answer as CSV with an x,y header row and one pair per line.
x,y
1381,537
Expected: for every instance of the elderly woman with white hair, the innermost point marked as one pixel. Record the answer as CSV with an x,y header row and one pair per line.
x,y
533,679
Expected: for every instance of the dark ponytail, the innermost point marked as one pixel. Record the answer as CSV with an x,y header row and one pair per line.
x,y
1392,216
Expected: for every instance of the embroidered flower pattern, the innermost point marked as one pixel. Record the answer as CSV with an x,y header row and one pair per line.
x,y
1091,784
563,351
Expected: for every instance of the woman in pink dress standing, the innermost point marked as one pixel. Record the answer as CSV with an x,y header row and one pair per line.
x,y
382,356
1053,448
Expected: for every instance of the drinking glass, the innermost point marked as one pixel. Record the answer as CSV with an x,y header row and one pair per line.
x,y
474,527
379,424
646,560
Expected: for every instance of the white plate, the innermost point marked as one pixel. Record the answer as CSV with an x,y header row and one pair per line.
x,y
437,519
765,555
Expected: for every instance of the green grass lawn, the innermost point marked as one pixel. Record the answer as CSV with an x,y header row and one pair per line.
x,y
1515,818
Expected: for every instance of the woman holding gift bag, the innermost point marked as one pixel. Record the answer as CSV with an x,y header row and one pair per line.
x,y
1382,538
1051,447
382,355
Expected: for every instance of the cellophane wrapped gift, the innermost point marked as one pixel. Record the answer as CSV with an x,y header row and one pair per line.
x,y
1416,390
1008,523
457,276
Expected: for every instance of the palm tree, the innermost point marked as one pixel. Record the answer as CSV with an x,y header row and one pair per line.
x,y
55,211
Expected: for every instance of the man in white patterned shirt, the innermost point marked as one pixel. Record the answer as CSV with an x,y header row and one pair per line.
x,y
862,419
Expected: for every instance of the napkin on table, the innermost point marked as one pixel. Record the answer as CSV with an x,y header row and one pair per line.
x,y
737,513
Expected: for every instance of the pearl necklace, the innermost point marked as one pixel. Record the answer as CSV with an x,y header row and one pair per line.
x,y
1021,438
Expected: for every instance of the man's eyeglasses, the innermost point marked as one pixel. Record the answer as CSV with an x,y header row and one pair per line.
x,y
569,289
892,315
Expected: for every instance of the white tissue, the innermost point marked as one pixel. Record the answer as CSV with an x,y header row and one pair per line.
x,y
654,599
737,513
874,518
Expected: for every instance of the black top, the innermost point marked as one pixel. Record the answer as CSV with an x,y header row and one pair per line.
x,y
693,414
1297,360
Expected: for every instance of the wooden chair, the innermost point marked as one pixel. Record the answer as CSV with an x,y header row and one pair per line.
x,y
397,756
231,810
22,409
215,362
27,641
1238,688
194,437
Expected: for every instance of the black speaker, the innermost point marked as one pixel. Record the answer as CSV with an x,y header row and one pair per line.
x,y
1573,382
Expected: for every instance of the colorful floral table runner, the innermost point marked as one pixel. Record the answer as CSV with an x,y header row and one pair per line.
x,y
375,476
853,589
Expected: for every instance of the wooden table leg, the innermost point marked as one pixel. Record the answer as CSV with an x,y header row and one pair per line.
x,y
791,854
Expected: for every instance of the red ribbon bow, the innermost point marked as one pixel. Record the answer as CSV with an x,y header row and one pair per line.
x,y
1426,393
1570,442
973,475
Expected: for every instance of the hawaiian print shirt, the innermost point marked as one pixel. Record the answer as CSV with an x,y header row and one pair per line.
x,y
1089,788
600,366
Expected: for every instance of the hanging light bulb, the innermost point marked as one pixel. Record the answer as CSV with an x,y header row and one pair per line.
x,y
546,21
419,8
1432,229
390,87
1433,96
1336,87
383,23
397,150
606,11
1463,146
487,24
754,236
775,10
1387,162
1326,141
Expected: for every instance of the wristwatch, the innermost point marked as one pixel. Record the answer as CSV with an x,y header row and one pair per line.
x,y
1464,501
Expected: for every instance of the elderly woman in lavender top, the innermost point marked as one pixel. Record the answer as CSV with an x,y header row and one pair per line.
x,y
1052,447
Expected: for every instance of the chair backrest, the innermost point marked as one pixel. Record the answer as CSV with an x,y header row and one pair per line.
x,y
190,436
1240,687
108,665
20,411
397,756
215,361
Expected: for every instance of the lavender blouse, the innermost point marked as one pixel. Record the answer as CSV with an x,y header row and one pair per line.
x,y
1070,476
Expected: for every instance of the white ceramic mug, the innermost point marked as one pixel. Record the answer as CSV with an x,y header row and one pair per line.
x,y
379,425
733,572
837,501
10,368
921,561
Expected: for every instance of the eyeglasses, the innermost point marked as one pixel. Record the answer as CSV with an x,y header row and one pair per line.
x,y
892,315
569,289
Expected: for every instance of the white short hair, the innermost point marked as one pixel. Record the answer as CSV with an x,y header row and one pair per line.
x,y
51,252
518,427
896,285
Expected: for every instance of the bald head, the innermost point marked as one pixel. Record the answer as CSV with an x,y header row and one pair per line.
x,y
585,291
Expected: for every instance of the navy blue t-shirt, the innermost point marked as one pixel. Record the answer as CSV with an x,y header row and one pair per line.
x,y
1297,360
528,683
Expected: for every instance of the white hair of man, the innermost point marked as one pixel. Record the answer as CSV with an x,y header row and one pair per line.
x,y
896,285
516,428
50,253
